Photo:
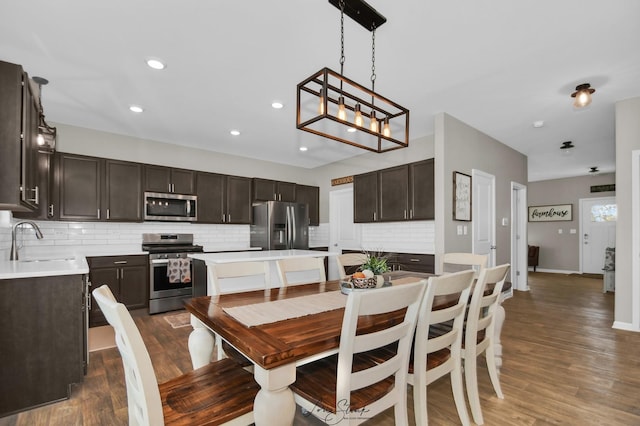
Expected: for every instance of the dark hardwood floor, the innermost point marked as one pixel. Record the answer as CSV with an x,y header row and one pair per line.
x,y
563,365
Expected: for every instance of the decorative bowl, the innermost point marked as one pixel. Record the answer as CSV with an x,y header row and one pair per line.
x,y
364,282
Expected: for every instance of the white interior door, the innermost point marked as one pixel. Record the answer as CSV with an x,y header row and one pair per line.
x,y
598,231
483,208
343,233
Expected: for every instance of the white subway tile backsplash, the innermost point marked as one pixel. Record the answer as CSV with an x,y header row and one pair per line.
x,y
107,237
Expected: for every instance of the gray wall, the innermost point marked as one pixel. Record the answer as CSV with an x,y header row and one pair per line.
x,y
561,252
627,140
460,147
78,140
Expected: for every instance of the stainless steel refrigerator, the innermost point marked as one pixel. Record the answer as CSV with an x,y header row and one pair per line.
x,y
278,225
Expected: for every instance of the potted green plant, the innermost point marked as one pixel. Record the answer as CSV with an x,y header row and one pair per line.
x,y
376,265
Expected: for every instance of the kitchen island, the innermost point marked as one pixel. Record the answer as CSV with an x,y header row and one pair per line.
x,y
44,333
202,262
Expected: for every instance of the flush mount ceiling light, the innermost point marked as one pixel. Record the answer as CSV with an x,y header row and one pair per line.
x,y
582,95
328,102
46,134
566,147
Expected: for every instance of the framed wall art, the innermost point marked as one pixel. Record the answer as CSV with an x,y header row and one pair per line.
x,y
461,196
555,213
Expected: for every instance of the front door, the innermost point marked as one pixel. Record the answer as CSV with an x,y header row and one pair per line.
x,y
598,231
483,208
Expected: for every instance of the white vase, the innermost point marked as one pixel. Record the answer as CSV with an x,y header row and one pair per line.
x,y
380,281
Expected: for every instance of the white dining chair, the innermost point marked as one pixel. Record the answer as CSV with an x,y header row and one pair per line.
x,y
301,270
360,382
220,393
454,262
480,335
349,259
437,356
257,274
232,278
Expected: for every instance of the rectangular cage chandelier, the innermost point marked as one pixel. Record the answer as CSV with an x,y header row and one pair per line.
x,y
330,105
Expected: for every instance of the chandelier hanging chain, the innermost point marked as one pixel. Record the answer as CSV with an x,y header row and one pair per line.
x,y
342,59
373,60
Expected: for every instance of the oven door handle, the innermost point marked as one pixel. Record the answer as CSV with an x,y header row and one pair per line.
x,y
159,261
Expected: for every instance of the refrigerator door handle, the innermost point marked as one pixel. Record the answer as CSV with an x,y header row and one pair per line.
x,y
288,209
294,232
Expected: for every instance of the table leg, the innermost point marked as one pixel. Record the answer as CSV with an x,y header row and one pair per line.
x,y
201,344
274,404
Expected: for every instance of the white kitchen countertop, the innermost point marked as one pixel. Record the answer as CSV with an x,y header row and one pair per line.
x,y
248,256
43,267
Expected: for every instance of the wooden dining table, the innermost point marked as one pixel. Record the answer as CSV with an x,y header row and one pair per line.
x,y
277,348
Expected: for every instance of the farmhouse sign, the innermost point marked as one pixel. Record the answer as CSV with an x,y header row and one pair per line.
x,y
559,212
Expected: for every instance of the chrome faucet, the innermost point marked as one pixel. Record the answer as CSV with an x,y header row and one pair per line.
x,y
14,246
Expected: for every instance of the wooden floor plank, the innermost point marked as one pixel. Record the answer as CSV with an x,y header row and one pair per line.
x,y
563,365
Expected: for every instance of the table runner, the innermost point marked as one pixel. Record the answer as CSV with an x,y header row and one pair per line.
x,y
279,310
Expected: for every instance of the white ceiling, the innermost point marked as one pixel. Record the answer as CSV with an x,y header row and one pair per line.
x,y
498,65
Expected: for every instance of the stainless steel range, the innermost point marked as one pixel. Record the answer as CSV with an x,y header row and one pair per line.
x,y
170,270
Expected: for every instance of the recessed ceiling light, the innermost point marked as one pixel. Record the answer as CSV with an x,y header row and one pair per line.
x,y
135,108
156,64
303,148
538,124
277,105
351,130
235,132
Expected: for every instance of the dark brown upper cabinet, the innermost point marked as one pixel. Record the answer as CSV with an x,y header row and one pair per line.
x,y
91,188
79,182
365,197
310,195
393,194
122,191
169,180
272,190
19,118
421,190
45,185
398,193
223,199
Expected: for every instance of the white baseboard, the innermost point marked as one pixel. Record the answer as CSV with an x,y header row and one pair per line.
x,y
555,271
624,326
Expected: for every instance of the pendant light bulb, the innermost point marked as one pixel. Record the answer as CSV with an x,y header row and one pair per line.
x,y
374,122
358,121
386,130
40,139
342,112
321,102
582,95
582,99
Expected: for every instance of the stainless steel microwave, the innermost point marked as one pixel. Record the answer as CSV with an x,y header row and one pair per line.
x,y
170,207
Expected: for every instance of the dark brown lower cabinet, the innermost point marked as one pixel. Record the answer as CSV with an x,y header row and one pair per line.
x,y
42,340
126,276
416,262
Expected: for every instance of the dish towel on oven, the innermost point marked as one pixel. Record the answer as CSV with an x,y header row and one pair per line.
x,y
179,271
